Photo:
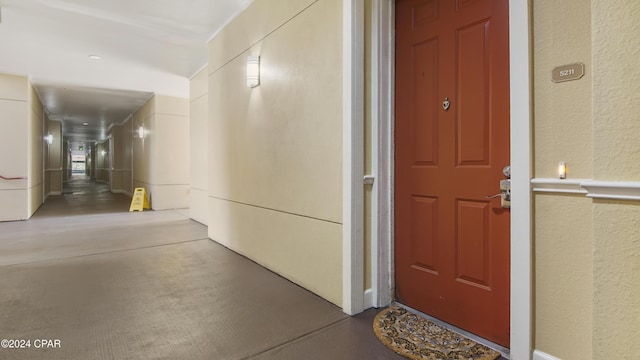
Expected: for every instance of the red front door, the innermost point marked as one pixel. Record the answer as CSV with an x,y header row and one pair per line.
x,y
451,144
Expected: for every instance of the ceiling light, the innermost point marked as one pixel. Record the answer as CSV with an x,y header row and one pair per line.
x,y
94,57
85,124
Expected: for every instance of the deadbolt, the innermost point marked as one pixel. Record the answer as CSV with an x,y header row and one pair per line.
x,y
507,171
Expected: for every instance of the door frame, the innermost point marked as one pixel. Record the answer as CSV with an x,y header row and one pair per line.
x,y
382,122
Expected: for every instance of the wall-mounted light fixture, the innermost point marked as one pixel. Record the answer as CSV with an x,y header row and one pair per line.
x,y
562,170
103,153
49,139
253,71
141,132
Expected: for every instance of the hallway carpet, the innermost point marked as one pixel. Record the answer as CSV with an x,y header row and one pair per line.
x,y
109,284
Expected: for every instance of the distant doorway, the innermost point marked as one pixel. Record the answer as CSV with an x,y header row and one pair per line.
x,y
78,165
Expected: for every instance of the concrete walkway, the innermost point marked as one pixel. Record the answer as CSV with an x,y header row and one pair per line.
x,y
98,282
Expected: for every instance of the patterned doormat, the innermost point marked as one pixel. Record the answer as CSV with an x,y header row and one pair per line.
x,y
418,338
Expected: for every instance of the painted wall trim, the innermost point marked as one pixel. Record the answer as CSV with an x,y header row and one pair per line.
x,y
553,185
382,135
613,190
616,190
539,355
373,54
521,343
353,158
368,298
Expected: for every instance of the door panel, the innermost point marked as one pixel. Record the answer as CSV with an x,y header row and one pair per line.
x,y
425,64
472,243
424,245
452,244
472,89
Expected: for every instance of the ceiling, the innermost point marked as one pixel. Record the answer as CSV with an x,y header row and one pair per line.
x,y
145,47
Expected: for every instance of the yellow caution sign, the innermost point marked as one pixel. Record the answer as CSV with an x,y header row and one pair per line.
x,y
139,201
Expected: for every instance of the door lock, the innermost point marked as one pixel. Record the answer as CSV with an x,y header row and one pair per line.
x,y
505,189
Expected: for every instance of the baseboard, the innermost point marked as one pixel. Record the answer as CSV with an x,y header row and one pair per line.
x,y
539,355
368,299
123,192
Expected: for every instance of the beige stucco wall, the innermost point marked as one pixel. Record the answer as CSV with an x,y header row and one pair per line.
x,y
53,159
275,159
616,118
161,158
142,160
587,251
35,150
563,224
103,162
563,126
121,169
563,276
22,148
199,144
15,119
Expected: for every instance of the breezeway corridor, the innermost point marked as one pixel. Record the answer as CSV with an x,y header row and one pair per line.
x,y
109,284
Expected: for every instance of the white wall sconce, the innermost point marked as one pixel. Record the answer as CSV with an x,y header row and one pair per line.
x,y
562,170
141,132
103,153
253,71
49,139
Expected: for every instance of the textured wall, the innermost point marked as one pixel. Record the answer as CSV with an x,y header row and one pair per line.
x,y
35,150
122,172
171,153
563,126
198,141
593,125
14,162
103,162
616,271
616,99
275,158
142,165
53,160
563,224
563,276
161,158
616,115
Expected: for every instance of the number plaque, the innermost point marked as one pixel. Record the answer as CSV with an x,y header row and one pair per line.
x,y
567,72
